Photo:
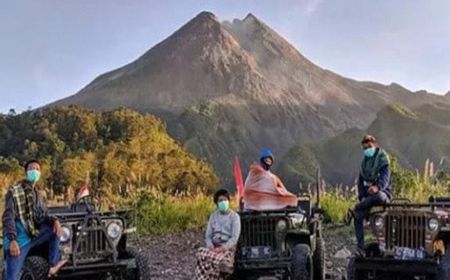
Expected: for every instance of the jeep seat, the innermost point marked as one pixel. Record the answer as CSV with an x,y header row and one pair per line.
x,y
304,204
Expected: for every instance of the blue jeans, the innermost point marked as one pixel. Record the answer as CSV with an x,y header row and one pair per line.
x,y
361,211
14,264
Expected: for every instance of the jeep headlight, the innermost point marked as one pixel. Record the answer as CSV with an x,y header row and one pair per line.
x,y
297,219
378,222
433,224
66,232
114,230
282,225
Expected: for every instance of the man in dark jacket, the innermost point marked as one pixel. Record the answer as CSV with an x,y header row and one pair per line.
x,y
374,184
26,224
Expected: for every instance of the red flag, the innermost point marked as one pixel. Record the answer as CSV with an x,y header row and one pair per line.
x,y
238,179
84,191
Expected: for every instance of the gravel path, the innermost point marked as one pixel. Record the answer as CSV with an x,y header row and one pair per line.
x,y
173,256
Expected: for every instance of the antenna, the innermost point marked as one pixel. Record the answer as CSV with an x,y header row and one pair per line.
x,y
318,187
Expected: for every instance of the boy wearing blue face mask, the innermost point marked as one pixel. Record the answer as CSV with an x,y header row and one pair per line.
x,y
374,185
26,224
222,235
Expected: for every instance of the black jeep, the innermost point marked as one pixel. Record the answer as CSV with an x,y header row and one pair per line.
x,y
94,243
412,242
283,244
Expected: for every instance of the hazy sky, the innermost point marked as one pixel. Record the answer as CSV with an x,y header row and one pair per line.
x,y
51,49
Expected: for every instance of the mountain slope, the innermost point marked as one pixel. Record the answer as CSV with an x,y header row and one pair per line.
x,y
412,136
228,89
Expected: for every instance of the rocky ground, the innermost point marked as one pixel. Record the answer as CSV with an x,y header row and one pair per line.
x,y
173,256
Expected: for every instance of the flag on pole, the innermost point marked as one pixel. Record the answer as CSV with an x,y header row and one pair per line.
x,y
238,179
84,191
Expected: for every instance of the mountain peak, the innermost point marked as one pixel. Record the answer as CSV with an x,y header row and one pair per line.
x,y
397,86
203,28
251,17
202,23
206,15
249,24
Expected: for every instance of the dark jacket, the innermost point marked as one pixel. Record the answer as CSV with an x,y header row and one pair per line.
x,y
9,215
383,182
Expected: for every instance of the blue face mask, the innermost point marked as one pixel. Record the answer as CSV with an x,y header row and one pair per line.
x,y
369,152
33,175
223,205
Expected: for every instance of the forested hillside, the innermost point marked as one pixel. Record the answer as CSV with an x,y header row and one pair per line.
x,y
118,152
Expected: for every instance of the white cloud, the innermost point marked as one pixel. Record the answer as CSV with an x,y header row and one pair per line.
x,y
312,6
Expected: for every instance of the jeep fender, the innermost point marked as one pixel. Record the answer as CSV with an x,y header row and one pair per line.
x,y
301,237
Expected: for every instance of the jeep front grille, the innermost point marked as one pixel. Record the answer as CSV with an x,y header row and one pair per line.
x,y
91,243
405,230
259,232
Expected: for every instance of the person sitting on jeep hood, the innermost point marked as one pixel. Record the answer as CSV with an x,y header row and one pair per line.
x,y
263,189
374,185
26,224
222,235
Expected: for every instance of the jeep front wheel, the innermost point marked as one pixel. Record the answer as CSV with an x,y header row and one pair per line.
x,y
444,267
142,260
319,260
301,268
351,269
35,268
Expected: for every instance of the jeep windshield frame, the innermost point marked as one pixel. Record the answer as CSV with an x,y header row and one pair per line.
x,y
432,205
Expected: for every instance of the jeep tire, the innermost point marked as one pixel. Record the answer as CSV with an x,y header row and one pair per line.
x,y
35,268
444,267
142,271
351,273
301,268
319,260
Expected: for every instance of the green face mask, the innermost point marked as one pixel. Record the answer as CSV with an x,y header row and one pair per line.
x,y
223,205
33,175
370,152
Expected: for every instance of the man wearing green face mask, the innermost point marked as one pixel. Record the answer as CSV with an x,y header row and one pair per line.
x,y
26,224
222,235
374,185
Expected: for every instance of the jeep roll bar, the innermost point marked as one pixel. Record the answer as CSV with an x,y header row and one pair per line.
x,y
317,206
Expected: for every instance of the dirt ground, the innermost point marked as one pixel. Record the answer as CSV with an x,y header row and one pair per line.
x,y
173,256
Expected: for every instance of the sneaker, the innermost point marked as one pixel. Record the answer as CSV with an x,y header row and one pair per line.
x,y
359,252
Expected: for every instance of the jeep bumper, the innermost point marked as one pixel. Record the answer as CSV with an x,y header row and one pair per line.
x,y
120,266
390,265
264,264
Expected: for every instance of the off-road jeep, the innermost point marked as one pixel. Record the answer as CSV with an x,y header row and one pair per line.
x,y
94,243
283,244
412,242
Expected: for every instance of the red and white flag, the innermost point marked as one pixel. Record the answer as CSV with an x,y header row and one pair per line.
x,y
239,180
84,191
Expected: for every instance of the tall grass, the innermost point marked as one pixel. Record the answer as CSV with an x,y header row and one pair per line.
x,y
335,205
157,212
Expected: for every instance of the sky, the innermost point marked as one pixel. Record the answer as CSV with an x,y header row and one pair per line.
x,y
50,49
